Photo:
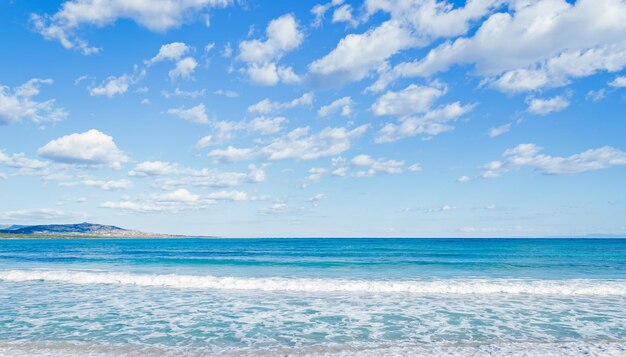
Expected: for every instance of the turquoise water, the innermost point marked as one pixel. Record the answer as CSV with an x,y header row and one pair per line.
x,y
313,297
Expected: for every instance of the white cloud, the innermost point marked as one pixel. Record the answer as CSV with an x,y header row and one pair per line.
x,y
413,23
282,36
170,52
267,106
176,201
316,174
184,69
184,94
153,168
277,208
411,100
23,164
499,130
212,178
232,154
415,168
89,148
298,145
618,82
431,123
528,155
107,185
17,104
226,93
540,44
33,215
113,86
195,114
317,198
180,195
228,196
368,166
357,54
545,106
319,10
223,131
344,14
463,179
343,105
156,16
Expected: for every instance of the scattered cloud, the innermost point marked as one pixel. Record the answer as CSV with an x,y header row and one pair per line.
x,y
106,185
63,25
153,168
499,130
267,106
545,106
283,35
17,104
89,148
33,215
540,56
463,179
618,82
528,155
195,114
341,105
170,52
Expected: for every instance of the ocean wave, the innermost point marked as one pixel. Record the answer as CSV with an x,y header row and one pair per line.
x,y
569,287
530,349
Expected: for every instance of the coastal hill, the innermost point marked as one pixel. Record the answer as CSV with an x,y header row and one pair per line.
x,y
87,230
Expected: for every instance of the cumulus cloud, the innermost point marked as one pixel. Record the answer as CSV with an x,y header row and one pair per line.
x,y
413,23
18,104
267,106
175,201
411,100
368,166
184,69
107,185
545,106
223,131
463,179
113,86
299,145
89,148
341,105
161,16
282,36
431,123
170,52
539,44
413,106
499,130
529,155
23,164
33,215
195,114
211,178
618,82
232,154
153,168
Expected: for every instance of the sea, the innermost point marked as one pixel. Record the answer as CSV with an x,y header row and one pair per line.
x,y
313,297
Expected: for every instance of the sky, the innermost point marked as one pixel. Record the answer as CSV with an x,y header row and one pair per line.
x,y
373,118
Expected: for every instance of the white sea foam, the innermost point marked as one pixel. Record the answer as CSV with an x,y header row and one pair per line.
x,y
529,349
570,287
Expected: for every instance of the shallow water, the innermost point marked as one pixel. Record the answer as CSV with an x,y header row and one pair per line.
x,y
313,297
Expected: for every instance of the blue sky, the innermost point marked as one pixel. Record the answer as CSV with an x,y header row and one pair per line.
x,y
417,118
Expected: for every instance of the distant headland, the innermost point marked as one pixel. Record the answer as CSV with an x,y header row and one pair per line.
x,y
79,230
